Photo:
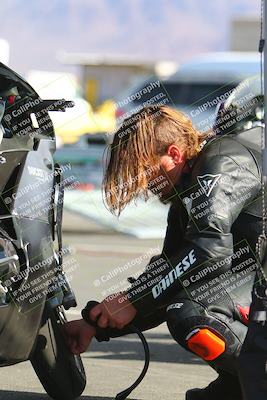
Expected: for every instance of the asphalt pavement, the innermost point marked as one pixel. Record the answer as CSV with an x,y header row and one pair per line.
x,y
93,269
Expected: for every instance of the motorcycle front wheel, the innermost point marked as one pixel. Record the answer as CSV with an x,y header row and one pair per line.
x,y
60,372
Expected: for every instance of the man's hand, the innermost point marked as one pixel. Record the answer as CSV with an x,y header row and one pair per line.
x,y
115,311
78,335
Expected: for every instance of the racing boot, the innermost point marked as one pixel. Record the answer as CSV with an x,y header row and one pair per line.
x,y
225,387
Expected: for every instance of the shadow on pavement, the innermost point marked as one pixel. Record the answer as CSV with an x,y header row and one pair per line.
x,y
9,395
162,349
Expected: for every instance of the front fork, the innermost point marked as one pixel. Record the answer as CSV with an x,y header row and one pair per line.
x,y
66,297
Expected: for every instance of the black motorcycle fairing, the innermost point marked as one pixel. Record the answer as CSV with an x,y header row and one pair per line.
x,y
26,212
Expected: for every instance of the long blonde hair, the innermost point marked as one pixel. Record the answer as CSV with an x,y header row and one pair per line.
x,y
137,147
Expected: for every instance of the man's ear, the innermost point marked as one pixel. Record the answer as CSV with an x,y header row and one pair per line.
x,y
176,154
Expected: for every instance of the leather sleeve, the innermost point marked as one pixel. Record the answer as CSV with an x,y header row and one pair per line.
x,y
143,323
221,186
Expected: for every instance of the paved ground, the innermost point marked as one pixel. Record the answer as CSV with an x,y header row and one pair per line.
x,y
112,366
145,220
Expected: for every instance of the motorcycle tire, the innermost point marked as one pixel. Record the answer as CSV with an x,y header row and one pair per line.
x,y
60,372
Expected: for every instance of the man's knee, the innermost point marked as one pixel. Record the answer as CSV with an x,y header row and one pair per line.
x,y
215,337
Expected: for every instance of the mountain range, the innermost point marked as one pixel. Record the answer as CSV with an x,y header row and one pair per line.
x,y
156,29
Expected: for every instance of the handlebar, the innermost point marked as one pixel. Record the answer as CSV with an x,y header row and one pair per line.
x,y
53,105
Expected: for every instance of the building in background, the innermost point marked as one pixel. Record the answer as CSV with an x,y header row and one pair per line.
x,y
245,34
105,76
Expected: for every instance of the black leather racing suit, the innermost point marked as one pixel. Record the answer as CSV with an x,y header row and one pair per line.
x,y
205,274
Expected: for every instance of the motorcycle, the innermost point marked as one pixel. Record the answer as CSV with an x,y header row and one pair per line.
x,y
34,289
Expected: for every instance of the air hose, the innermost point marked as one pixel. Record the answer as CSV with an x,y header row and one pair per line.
x,y
104,335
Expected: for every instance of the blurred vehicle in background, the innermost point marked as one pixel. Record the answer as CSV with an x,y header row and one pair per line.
x,y
243,109
80,138
196,89
82,162
81,119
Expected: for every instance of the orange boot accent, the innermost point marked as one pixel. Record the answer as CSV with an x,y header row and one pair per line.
x,y
206,344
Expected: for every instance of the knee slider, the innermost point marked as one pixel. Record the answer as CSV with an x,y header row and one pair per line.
x,y
203,334
206,343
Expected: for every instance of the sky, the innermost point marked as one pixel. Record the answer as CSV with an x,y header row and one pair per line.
x,y
157,29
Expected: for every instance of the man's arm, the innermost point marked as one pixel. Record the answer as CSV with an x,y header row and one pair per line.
x,y
143,323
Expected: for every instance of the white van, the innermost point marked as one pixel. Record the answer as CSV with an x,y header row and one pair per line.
x,y
196,89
